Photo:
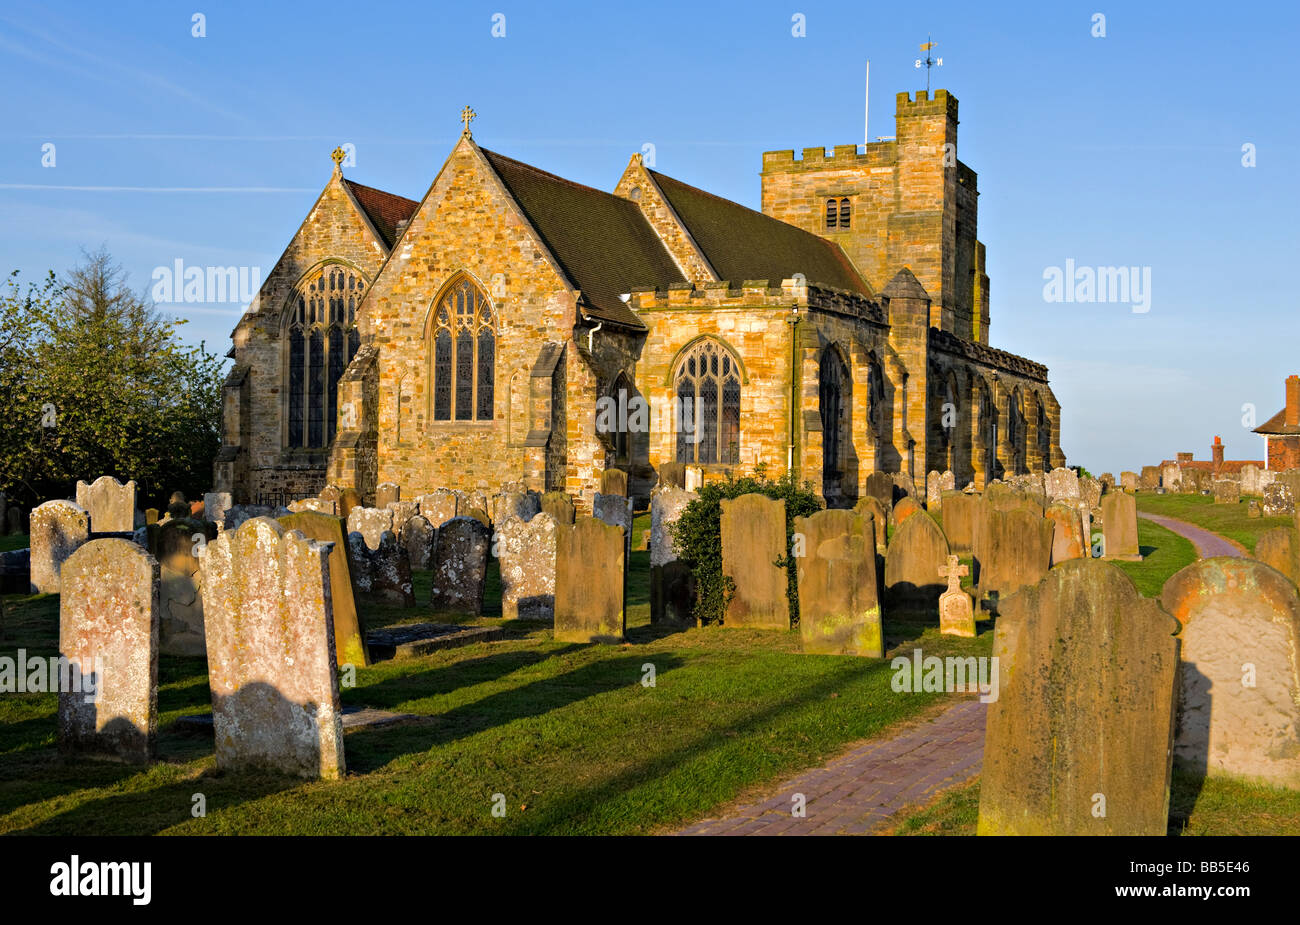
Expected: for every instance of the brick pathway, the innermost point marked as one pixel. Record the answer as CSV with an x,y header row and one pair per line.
x,y
857,793
1208,545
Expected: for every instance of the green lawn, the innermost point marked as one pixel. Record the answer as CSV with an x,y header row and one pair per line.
x,y
567,733
1230,520
1163,553
14,541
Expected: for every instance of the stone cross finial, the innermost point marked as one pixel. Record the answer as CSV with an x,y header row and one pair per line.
x,y
467,116
337,156
954,572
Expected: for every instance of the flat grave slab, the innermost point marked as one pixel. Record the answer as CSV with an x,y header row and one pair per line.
x,y
418,639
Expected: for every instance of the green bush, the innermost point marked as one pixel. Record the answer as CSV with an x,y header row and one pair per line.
x,y
697,537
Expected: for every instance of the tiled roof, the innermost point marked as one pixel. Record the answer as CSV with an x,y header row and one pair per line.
x,y
1277,425
603,243
384,210
742,244
1229,465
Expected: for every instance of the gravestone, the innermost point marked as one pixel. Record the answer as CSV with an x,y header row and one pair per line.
x,y
589,582
331,493
271,652
521,504
109,504
1149,479
560,506
1090,490
240,514
694,479
1254,509
348,499
417,535
1197,481
613,482
1290,478
57,529
904,485
1002,497
1107,480
150,516
359,568
1239,710
673,473
402,512
1252,482
14,521
215,505
671,581
313,504
1171,477
906,507
956,610
460,555
1226,491
390,571
1119,527
1078,740
1128,481
1278,500
1062,485
526,550
349,631
177,506
916,553
616,510
1067,533
753,539
371,523
108,632
439,506
839,610
476,500
386,493
177,546
1279,548
880,485
963,516
933,490
1015,551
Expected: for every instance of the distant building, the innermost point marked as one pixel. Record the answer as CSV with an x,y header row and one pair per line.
x,y
1282,431
1216,463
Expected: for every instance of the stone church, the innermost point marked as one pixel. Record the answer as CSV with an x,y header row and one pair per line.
x,y
482,335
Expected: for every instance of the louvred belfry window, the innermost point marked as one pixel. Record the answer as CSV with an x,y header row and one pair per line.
x,y
322,340
464,355
707,387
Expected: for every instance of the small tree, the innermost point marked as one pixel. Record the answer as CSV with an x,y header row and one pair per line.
x,y
697,537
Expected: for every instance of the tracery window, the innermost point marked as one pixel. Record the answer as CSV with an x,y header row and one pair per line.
x,y
464,354
707,389
322,340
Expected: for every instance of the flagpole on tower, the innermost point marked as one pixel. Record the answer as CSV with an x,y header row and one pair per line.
x,y
866,108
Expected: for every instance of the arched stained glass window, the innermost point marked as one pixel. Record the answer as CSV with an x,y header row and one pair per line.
x,y
464,355
322,340
707,386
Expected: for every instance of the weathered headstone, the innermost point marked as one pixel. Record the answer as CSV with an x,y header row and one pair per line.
x,y
1090,490
673,473
348,499
1149,479
589,582
753,539
402,512
933,490
315,505
956,610
1128,481
559,505
880,485
521,504
613,482
109,504
57,528
1119,527
386,493
271,652
1015,551
1279,548
14,521
417,535
390,571
694,479
1239,710
526,550
215,505
439,506
1226,491
1062,485
150,516
870,504
1067,532
671,582
917,551
460,565
906,507
1078,740
1278,500
1171,477
904,485
1251,482
108,632
839,609
1107,480
349,631
964,515
178,547
616,510
371,523
1254,509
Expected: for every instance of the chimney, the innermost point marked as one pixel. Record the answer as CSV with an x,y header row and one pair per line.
x,y
1293,401
1216,453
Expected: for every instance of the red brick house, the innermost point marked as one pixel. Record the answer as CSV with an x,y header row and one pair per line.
x,y
1282,431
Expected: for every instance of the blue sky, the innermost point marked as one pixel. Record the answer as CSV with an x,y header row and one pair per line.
x,y
1124,150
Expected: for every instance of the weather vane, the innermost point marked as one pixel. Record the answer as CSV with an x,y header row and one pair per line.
x,y
928,61
467,116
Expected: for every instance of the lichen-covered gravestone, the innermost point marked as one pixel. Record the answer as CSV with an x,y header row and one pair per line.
x,y
1067,532
672,473
879,517
613,482
589,582
109,503
57,528
178,547
933,490
215,505
963,516
349,631
672,586
526,551
1078,740
383,573
839,609
559,505
371,523
460,556
108,631
1226,491
1062,485
439,506
1015,550
1279,548
753,539
386,493
880,485
1239,710
271,652
402,511
906,507
1120,527
418,536
523,505
956,610
916,553
1278,500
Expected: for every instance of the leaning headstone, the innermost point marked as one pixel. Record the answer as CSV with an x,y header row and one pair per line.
x,y
613,482
956,610
1015,551
1239,710
386,493
417,535
439,506
753,539
1067,532
870,505
1062,485
589,582
917,551
460,566
1119,527
108,632
57,528
1279,548
371,523
1078,739
1278,500
671,581
271,652
526,550
178,547
559,505
964,515
349,631
215,505
109,503
839,610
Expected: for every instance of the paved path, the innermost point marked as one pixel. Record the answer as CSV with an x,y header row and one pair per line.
x,y
1207,544
857,793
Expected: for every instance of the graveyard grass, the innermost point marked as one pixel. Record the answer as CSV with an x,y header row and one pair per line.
x,y
14,541
1229,520
567,733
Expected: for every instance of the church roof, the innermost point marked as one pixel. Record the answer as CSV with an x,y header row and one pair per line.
x,y
384,210
742,244
603,243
